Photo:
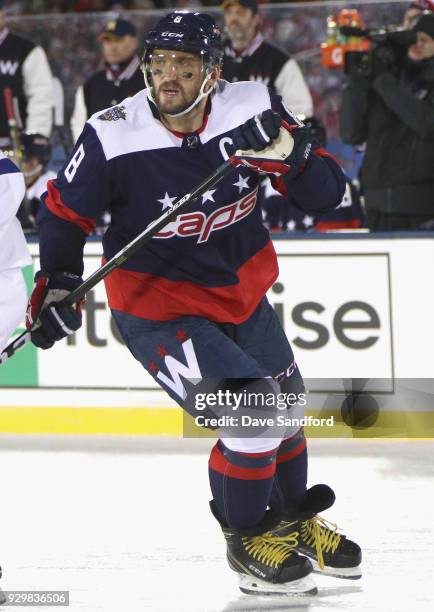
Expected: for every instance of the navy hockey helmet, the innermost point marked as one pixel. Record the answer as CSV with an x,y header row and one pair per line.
x,y
184,31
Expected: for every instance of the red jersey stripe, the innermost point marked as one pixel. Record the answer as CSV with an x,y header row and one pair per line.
x,y
57,207
159,299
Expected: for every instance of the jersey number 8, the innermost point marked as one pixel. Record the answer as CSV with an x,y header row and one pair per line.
x,y
76,160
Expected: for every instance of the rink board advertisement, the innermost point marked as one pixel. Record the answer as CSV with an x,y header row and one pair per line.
x,y
351,309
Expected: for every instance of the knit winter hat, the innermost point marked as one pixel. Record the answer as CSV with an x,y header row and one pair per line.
x,y
425,24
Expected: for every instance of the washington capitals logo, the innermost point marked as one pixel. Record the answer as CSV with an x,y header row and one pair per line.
x,y
113,114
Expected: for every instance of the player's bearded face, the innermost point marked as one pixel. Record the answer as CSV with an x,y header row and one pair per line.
x,y
177,78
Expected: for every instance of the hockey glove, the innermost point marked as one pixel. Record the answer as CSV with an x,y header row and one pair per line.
x,y
54,321
258,132
286,154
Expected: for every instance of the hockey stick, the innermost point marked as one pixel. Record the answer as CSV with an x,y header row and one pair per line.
x,y
117,260
13,125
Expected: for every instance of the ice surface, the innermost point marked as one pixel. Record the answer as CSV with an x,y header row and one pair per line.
x,y
125,526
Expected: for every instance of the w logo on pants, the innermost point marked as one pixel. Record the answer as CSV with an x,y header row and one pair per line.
x,y
189,371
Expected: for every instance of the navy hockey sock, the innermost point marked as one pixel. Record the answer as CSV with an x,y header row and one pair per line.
x,y
241,484
291,472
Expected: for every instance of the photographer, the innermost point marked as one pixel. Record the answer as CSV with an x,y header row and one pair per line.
x,y
388,102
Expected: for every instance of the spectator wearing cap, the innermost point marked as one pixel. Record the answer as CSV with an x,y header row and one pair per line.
x,y
415,9
393,113
249,57
120,78
24,69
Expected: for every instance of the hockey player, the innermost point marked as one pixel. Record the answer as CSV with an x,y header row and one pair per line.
x,y
14,253
36,155
191,304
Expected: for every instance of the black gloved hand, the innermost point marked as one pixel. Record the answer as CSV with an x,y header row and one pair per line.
x,y
286,155
258,132
57,320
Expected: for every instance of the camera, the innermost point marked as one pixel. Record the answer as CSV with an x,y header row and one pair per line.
x,y
389,49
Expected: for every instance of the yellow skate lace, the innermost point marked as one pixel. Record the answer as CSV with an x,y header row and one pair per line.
x,y
270,549
316,531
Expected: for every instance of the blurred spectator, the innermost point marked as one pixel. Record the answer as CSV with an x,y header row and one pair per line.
x,y
248,57
415,9
25,71
120,78
392,110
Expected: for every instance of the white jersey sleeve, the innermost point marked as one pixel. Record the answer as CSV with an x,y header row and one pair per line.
x,y
13,247
59,103
79,114
290,84
38,87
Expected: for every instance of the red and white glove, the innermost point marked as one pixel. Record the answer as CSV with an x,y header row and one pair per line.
x,y
280,148
55,321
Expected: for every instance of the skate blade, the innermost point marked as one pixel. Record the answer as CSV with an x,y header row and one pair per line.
x,y
253,586
348,573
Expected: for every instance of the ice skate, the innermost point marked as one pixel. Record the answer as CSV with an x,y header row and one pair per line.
x,y
267,564
330,552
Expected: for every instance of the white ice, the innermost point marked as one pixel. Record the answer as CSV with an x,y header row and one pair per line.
x,y
125,526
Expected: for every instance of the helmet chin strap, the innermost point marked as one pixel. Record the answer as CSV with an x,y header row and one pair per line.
x,y
201,95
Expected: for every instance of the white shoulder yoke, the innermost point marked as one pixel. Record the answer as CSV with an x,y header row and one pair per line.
x,y
130,127
233,104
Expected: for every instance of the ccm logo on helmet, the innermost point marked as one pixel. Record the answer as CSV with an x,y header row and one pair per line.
x,y
172,34
198,224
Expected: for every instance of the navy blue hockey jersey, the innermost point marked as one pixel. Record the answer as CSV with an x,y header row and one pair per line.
x,y
215,261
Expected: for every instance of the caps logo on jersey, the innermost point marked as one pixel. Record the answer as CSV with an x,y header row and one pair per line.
x,y
198,224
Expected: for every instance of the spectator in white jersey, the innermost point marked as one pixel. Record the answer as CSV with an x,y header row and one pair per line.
x,y
120,78
24,69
